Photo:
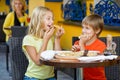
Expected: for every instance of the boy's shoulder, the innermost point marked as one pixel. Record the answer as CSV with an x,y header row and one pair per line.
x,y
100,42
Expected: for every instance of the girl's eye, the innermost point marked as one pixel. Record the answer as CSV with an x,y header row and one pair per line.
x,y
48,18
85,27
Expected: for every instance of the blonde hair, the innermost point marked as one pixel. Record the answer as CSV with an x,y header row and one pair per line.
x,y
36,23
23,3
95,21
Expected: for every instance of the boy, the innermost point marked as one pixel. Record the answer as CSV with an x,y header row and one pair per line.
x,y
92,26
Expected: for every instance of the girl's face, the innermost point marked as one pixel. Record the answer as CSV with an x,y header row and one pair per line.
x,y
88,30
48,20
18,5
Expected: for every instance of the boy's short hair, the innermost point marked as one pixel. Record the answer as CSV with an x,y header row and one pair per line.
x,y
95,21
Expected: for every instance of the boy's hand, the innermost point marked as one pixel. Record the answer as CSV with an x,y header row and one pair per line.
x,y
75,48
84,38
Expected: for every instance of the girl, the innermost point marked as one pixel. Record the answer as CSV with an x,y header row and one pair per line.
x,y
92,26
40,38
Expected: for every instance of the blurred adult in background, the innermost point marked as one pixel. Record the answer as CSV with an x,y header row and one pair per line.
x,y
17,17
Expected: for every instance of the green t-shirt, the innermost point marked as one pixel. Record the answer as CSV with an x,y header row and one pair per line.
x,y
33,70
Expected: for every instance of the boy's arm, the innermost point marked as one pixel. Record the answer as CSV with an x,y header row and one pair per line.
x,y
76,46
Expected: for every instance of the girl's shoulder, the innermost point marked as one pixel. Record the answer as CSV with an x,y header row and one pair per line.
x,y
28,37
31,37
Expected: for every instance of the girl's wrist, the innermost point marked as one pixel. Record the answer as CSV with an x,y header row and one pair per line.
x,y
56,37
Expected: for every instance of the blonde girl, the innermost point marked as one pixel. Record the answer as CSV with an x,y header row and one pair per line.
x,y
41,36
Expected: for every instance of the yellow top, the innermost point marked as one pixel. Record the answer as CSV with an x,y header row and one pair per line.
x,y
40,72
9,22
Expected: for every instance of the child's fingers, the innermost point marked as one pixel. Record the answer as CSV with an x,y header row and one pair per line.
x,y
86,36
60,32
75,48
50,32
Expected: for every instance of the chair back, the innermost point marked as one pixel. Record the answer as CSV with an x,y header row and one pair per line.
x,y
19,31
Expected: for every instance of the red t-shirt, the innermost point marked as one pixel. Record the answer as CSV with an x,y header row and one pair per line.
x,y
94,73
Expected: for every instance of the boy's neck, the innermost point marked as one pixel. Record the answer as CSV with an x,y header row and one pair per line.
x,y
91,41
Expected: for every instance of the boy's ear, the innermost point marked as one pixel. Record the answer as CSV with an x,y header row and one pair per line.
x,y
97,31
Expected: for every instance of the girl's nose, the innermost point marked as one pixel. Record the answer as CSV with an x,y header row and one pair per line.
x,y
52,20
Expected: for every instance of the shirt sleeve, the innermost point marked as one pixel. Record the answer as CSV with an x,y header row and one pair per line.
x,y
76,42
28,40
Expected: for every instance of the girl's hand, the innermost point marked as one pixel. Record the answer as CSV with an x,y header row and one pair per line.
x,y
49,33
60,31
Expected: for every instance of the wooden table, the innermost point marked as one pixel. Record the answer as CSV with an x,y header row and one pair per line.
x,y
79,65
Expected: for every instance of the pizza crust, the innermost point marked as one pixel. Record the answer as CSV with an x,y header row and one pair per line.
x,y
74,55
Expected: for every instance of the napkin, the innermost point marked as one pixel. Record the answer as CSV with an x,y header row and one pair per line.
x,y
96,58
48,54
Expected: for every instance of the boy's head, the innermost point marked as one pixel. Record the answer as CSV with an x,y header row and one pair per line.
x,y
95,21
